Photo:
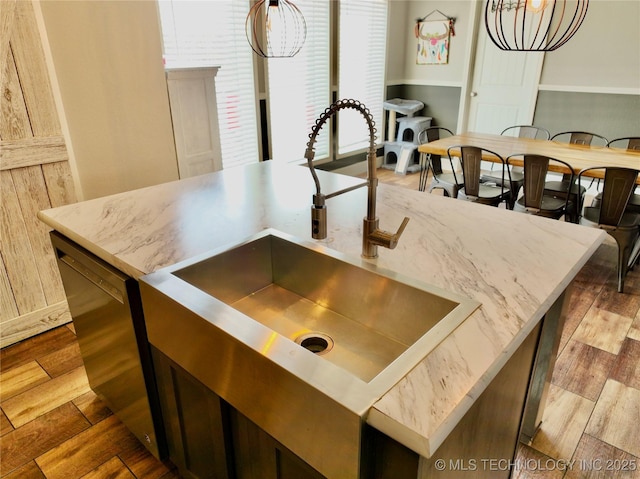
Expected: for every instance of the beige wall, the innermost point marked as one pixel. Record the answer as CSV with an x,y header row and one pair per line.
x,y
107,57
403,43
396,41
604,53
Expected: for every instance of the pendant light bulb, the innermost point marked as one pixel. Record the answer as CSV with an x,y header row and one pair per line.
x,y
536,6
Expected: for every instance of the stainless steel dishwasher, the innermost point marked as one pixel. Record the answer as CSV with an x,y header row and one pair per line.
x,y
107,315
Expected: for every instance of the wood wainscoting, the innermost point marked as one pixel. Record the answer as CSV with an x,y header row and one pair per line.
x,y
34,174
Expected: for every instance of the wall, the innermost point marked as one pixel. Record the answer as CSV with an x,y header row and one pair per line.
x,y
450,74
604,55
437,86
108,62
591,83
610,115
396,41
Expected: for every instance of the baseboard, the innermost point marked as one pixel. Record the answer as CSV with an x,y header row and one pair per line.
x,y
31,324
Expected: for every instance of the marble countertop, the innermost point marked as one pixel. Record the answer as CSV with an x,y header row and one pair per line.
x,y
515,264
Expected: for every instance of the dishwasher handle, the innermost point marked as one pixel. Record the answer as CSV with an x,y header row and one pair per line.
x,y
91,276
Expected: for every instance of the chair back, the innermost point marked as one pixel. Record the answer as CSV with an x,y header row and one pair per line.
x,y
632,143
536,168
527,131
428,135
432,134
579,137
432,162
619,184
470,160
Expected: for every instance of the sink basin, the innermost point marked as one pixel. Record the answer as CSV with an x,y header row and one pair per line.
x,y
300,339
358,319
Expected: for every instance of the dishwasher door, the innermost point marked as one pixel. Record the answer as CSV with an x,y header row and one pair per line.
x,y
107,315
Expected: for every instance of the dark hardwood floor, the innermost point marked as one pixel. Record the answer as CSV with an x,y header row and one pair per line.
x,y
53,426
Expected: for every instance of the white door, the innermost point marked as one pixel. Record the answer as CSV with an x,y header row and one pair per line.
x,y
504,86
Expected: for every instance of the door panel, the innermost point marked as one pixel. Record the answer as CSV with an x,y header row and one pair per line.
x,y
504,87
35,175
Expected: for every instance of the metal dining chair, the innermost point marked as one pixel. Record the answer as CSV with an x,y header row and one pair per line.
x,y
630,143
611,216
473,189
447,182
534,200
527,131
516,174
580,138
563,187
433,163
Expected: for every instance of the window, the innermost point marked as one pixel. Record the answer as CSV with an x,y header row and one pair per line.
x,y
362,57
299,88
199,33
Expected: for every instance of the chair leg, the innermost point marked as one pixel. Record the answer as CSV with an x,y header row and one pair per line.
x,y
625,240
634,260
425,166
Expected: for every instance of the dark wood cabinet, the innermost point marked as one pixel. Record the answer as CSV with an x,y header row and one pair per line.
x,y
207,438
258,455
196,423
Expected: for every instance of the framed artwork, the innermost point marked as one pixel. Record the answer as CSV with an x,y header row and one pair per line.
x,y
433,42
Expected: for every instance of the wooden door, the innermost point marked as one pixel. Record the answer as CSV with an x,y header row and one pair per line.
x,y
34,174
504,86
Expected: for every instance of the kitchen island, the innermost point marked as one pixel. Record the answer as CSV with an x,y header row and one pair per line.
x,y
517,266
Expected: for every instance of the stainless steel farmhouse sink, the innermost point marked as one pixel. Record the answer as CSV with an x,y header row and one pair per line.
x,y
353,317
290,330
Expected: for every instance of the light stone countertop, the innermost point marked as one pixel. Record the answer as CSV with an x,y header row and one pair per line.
x,y
516,265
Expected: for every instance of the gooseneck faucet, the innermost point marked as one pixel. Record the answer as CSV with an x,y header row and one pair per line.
x,y
372,236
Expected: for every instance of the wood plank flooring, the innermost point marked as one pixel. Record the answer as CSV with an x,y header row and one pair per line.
x,y
53,426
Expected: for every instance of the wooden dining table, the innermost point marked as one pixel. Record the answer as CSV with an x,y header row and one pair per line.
x,y
578,156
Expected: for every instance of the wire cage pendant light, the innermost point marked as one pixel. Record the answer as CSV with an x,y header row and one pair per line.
x,y
533,25
275,28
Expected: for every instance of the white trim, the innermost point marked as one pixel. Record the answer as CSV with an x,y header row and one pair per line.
x,y
541,87
457,84
590,89
467,75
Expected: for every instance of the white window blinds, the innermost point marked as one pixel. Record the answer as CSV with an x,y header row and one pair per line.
x,y
362,58
211,33
299,89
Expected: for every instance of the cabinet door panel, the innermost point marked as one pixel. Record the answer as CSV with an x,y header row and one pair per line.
x,y
258,456
195,422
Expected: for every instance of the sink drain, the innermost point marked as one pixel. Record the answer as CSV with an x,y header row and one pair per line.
x,y
317,343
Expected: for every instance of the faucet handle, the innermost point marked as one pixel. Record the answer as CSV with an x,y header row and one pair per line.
x,y
401,228
386,238
396,237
